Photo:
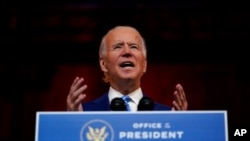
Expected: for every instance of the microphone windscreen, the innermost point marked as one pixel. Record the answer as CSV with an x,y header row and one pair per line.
x,y
146,104
117,104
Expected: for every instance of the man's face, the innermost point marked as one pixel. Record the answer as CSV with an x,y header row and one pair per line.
x,y
124,58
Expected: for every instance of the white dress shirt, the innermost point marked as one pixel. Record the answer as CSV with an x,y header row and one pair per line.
x,y
135,96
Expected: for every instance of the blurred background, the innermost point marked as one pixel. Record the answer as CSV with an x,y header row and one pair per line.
x,y
44,46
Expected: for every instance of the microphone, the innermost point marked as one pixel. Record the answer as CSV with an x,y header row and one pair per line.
x,y
146,104
117,104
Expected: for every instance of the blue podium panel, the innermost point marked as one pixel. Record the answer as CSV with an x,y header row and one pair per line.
x,y
127,126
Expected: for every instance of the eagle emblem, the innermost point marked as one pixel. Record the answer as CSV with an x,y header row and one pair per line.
x,y
96,134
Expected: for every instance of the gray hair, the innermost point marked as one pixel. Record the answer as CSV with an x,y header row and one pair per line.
x,y
103,46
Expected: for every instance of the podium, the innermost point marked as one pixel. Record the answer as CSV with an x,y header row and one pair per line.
x,y
128,126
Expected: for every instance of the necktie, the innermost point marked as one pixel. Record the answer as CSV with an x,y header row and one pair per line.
x,y
126,100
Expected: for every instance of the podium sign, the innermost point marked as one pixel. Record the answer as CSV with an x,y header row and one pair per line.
x,y
128,126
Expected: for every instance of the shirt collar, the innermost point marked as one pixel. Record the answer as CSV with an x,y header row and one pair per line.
x,y
135,95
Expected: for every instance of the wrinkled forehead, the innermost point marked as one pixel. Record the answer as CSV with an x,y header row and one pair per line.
x,y
123,34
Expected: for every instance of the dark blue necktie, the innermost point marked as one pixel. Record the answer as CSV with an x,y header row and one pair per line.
x,y
126,100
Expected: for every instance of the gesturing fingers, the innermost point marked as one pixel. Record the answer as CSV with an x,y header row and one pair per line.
x,y
180,102
76,95
180,90
76,84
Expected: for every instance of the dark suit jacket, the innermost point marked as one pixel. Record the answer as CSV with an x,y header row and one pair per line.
x,y
102,104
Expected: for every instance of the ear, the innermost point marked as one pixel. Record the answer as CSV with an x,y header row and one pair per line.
x,y
145,65
103,64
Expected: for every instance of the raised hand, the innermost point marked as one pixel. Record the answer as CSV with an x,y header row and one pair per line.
x,y
76,95
180,103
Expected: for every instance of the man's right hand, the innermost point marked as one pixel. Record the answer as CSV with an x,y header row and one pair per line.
x,y
76,95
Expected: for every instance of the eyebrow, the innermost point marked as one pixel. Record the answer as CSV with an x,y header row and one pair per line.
x,y
133,44
122,43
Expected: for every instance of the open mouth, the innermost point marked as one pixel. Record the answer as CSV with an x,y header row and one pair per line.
x,y
127,64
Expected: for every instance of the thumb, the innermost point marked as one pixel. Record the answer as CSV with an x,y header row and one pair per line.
x,y
173,109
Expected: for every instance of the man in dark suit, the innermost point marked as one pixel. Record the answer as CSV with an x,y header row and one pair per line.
x,y
123,59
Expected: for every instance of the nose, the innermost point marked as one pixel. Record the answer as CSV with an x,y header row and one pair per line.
x,y
126,51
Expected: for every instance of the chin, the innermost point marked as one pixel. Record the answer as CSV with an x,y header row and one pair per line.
x,y
129,78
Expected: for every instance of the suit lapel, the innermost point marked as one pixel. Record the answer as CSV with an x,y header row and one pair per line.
x,y
103,103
